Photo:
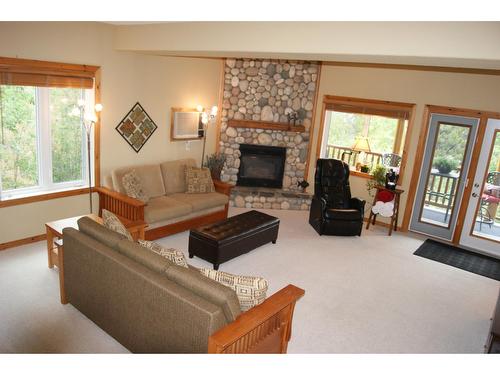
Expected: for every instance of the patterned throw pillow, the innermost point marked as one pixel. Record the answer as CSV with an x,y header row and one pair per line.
x,y
173,255
199,180
133,186
250,290
111,221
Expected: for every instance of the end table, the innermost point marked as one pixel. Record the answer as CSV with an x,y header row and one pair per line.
x,y
394,218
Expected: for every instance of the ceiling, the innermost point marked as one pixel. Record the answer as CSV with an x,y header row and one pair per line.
x,y
448,44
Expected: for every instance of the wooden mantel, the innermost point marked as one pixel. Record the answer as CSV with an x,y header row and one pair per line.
x,y
266,125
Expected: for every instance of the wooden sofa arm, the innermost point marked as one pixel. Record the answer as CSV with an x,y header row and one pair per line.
x,y
265,328
223,187
120,204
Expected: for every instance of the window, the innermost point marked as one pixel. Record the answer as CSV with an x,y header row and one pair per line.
x,y
43,145
365,133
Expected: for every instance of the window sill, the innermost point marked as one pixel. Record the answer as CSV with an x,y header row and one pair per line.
x,y
361,174
6,202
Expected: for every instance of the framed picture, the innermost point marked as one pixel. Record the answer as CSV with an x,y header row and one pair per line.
x,y
136,127
185,124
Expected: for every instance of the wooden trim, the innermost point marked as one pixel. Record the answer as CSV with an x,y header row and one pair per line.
x,y
265,125
97,130
10,64
417,166
174,110
265,328
373,103
454,111
311,128
464,204
181,226
399,135
43,197
219,105
428,68
319,138
382,105
22,241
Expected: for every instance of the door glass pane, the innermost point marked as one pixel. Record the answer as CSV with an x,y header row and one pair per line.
x,y
487,223
442,181
67,135
18,137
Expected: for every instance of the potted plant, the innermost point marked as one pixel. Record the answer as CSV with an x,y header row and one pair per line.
x,y
215,162
445,164
378,178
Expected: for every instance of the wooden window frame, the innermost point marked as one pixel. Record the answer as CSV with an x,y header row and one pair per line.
x,y
61,72
373,107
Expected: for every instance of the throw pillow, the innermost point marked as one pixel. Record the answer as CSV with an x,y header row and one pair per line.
x,y
199,180
111,221
133,186
250,290
173,255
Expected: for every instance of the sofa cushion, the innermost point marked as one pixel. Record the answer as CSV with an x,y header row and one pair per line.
x,y
207,289
201,201
173,173
250,290
199,180
99,232
144,256
150,176
164,208
173,255
133,186
345,214
111,221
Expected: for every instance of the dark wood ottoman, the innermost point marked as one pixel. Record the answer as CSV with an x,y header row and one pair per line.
x,y
226,239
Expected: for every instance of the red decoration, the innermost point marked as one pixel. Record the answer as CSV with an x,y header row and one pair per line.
x,y
385,196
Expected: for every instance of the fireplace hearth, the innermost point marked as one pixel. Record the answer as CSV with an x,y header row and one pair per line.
x,y
261,166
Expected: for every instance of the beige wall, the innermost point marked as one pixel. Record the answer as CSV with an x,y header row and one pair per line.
x,y
448,89
158,83
462,44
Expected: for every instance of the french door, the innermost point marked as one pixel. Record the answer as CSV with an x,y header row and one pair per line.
x,y
481,230
446,161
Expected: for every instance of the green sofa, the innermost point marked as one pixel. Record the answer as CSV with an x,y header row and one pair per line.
x,y
151,305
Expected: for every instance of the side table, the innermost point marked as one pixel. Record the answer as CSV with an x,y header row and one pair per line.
x,y
394,218
55,249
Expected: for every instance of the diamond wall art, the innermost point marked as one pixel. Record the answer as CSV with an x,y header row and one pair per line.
x,y
136,127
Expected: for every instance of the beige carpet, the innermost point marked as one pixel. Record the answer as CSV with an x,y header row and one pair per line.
x,y
363,295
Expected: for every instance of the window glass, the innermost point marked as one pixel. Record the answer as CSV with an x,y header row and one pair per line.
x,y
18,137
66,135
361,139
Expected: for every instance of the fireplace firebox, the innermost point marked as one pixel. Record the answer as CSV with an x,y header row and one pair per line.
x,y
261,166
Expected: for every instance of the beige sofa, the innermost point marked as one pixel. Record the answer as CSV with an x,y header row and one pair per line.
x,y
151,305
170,209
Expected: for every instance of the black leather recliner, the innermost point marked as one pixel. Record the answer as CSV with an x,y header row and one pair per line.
x,y
333,211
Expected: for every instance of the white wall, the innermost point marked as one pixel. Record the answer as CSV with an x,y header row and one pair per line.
x,y
158,83
472,91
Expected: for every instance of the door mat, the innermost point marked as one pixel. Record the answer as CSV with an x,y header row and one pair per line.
x,y
456,257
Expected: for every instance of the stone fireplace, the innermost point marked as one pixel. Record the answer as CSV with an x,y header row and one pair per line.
x,y
257,99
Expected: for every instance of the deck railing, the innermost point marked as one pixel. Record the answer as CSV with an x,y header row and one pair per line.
x,y
351,156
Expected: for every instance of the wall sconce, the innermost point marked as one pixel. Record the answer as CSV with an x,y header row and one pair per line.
x,y
207,116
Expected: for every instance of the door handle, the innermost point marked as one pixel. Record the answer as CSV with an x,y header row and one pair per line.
x,y
474,195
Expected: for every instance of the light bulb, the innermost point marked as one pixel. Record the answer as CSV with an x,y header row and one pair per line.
x,y
199,108
204,118
98,107
214,110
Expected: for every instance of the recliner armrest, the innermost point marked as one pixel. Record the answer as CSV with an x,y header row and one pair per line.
x,y
358,204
